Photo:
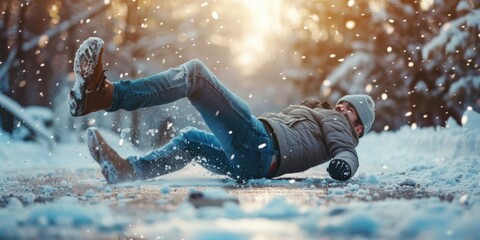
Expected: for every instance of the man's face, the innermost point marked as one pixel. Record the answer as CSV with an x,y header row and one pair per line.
x,y
349,110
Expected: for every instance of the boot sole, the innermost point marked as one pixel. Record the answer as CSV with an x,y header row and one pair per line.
x,y
86,59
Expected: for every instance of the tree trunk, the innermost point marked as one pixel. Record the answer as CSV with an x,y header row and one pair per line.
x,y
6,118
132,36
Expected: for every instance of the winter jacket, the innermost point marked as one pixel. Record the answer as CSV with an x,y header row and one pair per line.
x,y
309,134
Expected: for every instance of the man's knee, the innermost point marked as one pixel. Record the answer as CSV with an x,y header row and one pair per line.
x,y
197,67
197,63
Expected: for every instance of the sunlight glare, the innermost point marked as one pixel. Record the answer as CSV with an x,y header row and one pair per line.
x,y
376,6
262,23
426,4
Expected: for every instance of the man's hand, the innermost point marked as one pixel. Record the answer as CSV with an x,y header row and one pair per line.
x,y
339,170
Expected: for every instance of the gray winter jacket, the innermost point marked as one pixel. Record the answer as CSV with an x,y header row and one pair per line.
x,y
309,135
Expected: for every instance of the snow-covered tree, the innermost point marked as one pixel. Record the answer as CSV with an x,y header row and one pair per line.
x,y
455,53
418,59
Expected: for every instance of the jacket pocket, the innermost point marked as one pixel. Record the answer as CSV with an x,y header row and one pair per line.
x,y
291,122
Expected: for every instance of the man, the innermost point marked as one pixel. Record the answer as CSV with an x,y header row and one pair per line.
x,y
240,145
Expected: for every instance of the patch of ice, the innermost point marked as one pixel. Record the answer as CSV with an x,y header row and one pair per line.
x,y
28,198
49,190
336,191
165,190
358,224
216,193
278,208
408,182
372,179
14,204
90,193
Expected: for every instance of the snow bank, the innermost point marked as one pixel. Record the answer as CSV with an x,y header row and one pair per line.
x,y
444,160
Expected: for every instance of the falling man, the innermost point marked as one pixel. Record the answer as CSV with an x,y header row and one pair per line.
x,y
240,145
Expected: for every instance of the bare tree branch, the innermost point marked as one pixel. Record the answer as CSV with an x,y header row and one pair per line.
x,y
64,26
50,33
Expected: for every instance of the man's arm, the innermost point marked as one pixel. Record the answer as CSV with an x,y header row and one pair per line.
x,y
341,143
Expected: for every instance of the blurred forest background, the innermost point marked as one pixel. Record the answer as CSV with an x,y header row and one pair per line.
x,y
418,59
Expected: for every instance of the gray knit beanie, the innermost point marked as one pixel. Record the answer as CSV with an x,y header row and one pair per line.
x,y
364,106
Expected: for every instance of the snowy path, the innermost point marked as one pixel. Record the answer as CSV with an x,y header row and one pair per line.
x,y
301,191
272,202
412,184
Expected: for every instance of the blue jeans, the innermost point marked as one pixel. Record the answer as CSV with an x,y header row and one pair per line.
x,y
239,144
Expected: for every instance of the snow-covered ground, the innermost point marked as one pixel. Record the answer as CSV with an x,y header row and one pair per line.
x,y
445,163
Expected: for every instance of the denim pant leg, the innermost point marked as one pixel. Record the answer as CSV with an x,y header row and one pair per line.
x,y
191,144
241,135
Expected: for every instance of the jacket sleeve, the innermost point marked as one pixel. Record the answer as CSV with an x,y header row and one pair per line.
x,y
340,140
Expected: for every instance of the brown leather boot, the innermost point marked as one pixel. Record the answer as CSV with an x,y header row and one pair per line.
x,y
114,168
92,91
